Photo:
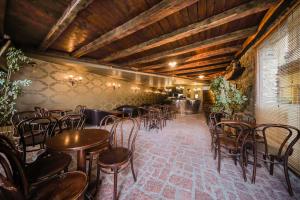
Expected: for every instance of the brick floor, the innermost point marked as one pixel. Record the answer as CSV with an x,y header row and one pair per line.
x,y
176,163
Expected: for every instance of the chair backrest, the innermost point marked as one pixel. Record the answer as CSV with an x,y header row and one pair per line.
x,y
8,190
286,137
13,168
244,131
72,122
107,122
20,116
79,109
33,132
41,112
124,133
245,117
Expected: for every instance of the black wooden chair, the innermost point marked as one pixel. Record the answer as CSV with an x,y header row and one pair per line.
x,y
279,151
46,165
72,122
33,133
235,146
121,150
107,123
17,184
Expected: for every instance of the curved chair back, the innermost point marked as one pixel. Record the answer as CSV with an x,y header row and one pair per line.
x,y
244,131
107,122
20,116
72,122
286,137
13,168
79,109
244,117
33,132
124,133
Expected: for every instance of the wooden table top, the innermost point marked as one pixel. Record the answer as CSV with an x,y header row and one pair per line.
x,y
74,140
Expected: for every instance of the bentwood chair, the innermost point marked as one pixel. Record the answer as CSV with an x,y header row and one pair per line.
x,y
72,122
46,165
229,146
20,116
106,123
33,134
16,183
121,150
278,151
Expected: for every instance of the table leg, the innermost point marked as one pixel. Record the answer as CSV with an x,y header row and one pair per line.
x,y
81,165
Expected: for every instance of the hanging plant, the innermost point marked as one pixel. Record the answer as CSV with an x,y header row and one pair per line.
x,y
11,89
226,97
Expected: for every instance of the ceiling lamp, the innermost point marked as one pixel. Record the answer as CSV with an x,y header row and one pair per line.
x,y
201,76
172,64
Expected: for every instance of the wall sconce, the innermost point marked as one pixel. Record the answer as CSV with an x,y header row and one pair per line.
x,y
135,89
168,90
73,80
114,85
179,87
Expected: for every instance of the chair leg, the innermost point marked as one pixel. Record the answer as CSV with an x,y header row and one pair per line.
x,y
287,177
90,167
219,159
254,163
271,165
115,183
242,162
97,175
132,170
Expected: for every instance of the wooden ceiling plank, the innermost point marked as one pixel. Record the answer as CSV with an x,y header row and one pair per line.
x,y
64,21
2,18
206,72
281,5
229,37
198,69
154,14
198,63
209,23
206,54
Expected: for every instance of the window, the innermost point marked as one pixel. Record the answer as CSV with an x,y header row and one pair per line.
x,y
278,83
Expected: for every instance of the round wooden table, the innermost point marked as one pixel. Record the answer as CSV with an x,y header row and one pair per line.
x,y
78,140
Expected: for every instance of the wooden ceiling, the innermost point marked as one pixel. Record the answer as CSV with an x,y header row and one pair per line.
x,y
202,36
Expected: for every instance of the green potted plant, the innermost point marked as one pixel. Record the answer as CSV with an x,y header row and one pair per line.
x,y
10,89
227,98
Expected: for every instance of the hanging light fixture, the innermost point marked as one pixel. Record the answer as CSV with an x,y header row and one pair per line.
x,y
172,64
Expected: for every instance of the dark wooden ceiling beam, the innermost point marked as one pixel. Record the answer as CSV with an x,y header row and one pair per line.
x,y
64,21
206,73
2,17
197,64
206,54
197,69
154,14
229,37
209,23
275,13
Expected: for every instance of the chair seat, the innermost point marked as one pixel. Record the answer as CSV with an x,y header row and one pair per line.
x,y
70,185
97,149
115,156
228,142
47,166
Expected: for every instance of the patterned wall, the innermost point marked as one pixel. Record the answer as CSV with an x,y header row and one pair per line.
x,y
51,90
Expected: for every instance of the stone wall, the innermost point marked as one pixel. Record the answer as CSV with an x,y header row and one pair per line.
x,y
51,90
246,82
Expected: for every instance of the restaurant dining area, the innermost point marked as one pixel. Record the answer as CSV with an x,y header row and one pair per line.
x,y
150,100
